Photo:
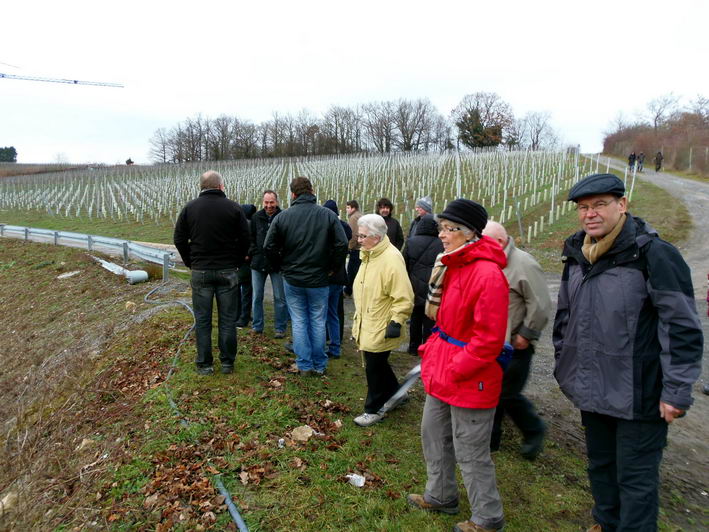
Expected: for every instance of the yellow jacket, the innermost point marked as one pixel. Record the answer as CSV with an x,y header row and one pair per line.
x,y
382,292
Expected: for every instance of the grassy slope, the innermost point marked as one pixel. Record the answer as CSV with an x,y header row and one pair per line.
x,y
156,472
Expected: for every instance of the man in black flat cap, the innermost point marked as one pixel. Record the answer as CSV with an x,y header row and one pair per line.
x,y
628,348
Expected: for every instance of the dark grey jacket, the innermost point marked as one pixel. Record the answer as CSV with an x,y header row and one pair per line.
x,y
260,223
307,242
626,332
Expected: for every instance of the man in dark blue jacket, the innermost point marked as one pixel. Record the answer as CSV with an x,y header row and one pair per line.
x,y
628,348
309,245
212,236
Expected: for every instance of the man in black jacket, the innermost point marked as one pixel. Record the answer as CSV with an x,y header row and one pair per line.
x,y
385,209
628,348
261,268
212,236
308,243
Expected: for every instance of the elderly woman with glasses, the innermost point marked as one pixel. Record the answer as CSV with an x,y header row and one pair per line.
x,y
383,301
468,297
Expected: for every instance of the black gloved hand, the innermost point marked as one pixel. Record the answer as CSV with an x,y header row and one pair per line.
x,y
393,330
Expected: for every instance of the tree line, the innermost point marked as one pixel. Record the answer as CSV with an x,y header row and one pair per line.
x,y
480,119
680,131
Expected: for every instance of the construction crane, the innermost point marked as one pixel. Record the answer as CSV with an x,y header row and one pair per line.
x,y
67,81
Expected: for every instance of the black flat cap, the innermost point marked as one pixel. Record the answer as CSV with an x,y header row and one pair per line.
x,y
597,184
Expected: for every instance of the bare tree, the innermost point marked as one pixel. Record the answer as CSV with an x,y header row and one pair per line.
x,y
219,138
661,108
379,125
539,131
159,146
413,121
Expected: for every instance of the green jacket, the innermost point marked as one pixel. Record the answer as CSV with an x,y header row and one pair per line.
x,y
382,292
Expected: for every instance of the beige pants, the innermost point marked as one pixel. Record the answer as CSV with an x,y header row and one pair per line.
x,y
451,434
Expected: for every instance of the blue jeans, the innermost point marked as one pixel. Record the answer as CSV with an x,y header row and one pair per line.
x,y
333,319
258,281
308,312
206,285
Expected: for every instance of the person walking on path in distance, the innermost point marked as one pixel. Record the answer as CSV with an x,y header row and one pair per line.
x,y
308,244
383,300
628,347
385,209
528,313
261,267
658,161
353,214
212,236
468,299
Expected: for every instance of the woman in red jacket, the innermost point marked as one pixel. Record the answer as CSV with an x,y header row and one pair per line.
x,y
468,297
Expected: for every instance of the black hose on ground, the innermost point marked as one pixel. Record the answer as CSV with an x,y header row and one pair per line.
x,y
233,510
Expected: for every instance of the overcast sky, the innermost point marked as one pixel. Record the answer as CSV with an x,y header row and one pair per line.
x,y
584,62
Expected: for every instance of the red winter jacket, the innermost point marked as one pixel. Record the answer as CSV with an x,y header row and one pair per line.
x,y
473,310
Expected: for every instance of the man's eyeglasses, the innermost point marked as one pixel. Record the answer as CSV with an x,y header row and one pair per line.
x,y
448,229
597,206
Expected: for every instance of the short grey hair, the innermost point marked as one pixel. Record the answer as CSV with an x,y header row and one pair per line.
x,y
375,224
210,180
467,231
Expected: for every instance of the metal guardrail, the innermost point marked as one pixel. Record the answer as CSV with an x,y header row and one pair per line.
x,y
128,248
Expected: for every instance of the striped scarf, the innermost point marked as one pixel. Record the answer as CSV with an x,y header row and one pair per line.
x,y
435,283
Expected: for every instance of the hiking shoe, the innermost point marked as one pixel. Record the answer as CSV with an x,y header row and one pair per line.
x,y
205,371
319,372
305,372
242,323
289,347
279,335
533,445
332,355
226,370
417,501
367,420
469,526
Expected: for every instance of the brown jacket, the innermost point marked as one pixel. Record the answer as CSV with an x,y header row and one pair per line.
x,y
352,220
530,302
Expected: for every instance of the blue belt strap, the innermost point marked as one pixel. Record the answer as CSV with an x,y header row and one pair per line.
x,y
503,358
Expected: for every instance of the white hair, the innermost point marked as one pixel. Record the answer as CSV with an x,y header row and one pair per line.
x,y
375,224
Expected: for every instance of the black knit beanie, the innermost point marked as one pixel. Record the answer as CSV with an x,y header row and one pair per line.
x,y
466,212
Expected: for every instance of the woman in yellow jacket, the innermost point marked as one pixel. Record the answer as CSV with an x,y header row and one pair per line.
x,y
383,302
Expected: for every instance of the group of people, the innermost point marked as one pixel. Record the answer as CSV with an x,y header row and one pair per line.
x,y
627,338
637,162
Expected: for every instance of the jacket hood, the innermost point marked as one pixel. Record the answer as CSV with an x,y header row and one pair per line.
x,y
427,226
484,249
249,210
332,205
